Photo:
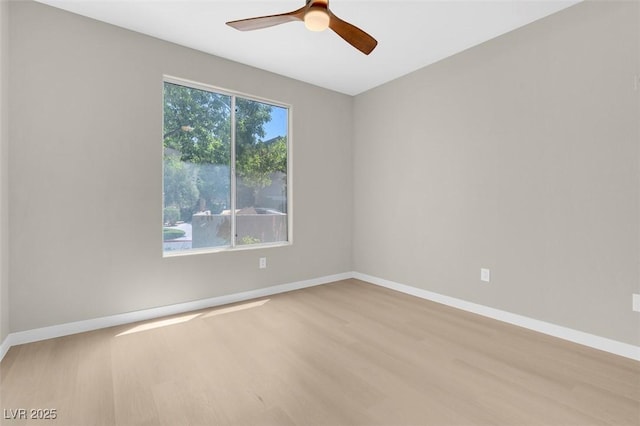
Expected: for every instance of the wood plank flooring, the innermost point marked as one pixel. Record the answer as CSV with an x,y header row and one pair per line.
x,y
347,353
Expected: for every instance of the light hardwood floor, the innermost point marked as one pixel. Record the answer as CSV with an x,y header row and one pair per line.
x,y
347,353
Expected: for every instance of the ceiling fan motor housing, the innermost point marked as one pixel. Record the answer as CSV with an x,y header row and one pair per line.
x,y
316,17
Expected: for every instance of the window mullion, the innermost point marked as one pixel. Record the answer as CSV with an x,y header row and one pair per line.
x,y
233,172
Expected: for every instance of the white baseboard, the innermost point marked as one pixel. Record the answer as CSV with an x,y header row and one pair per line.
x,y
51,332
602,343
4,346
612,346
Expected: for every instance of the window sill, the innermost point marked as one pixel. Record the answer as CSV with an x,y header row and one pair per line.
x,y
190,252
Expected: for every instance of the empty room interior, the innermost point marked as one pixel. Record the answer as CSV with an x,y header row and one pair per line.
x,y
376,213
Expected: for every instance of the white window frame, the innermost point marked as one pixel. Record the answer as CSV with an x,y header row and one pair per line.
x,y
235,94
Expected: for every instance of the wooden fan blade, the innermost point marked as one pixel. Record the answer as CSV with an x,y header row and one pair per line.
x,y
267,21
352,34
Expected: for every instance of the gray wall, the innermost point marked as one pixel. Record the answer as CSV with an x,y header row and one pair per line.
x,y
86,168
4,169
519,155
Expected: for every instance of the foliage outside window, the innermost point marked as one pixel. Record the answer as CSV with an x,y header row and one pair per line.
x,y
225,170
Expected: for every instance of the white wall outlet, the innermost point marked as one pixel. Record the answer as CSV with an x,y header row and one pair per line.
x,y
263,262
636,302
485,275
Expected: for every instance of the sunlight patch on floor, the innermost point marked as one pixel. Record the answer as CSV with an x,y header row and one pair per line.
x,y
158,324
179,320
235,308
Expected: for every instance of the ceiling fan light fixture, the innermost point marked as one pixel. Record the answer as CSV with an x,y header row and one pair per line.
x,y
316,20
317,17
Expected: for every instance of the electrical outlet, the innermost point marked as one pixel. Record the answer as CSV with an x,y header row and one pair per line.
x,y
485,275
263,262
636,302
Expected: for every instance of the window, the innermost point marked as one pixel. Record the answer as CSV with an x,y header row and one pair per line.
x,y
226,162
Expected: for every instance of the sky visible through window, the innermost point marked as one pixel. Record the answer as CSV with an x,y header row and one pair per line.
x,y
278,124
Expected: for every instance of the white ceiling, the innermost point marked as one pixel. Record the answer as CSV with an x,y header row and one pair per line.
x,y
410,34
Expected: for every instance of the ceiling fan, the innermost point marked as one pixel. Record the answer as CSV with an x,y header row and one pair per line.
x,y
316,16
